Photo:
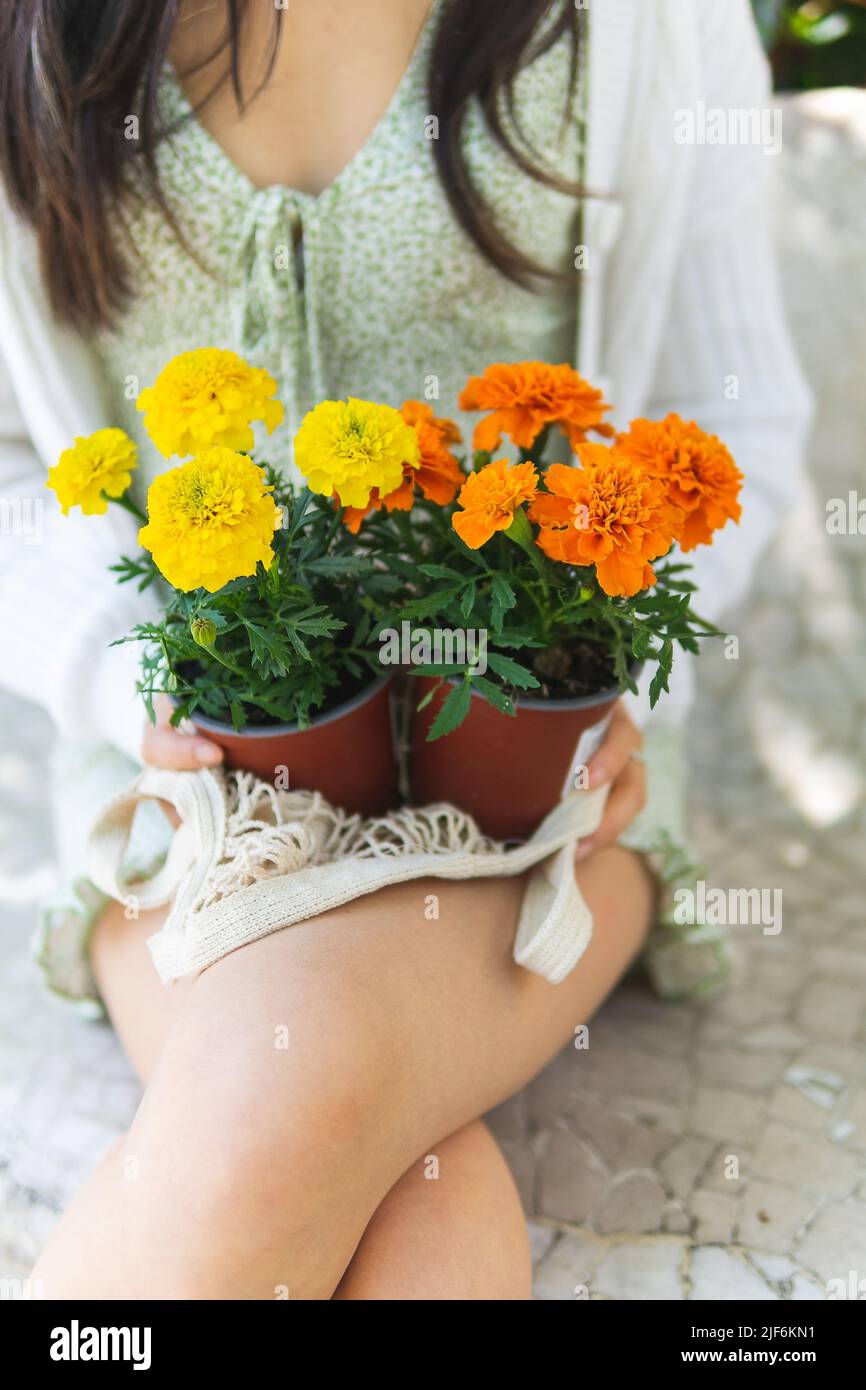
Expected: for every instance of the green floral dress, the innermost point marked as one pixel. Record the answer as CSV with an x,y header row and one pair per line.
x,y
371,289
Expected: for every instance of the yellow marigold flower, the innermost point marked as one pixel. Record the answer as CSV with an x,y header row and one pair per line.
x,y
211,520
351,447
207,397
98,466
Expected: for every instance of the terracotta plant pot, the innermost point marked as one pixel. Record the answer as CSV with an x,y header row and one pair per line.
x,y
508,773
346,754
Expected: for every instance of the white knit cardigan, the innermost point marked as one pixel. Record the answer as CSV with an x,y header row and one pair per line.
x,y
681,311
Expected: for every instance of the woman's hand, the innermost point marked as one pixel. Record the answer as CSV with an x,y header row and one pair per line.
x,y
163,746
615,762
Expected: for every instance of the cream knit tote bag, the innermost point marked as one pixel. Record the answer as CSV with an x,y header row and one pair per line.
x,y
247,859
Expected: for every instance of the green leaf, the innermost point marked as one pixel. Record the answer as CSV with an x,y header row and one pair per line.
x,y
495,695
511,671
425,699
446,670
681,586
660,679
512,637
268,650
315,622
673,569
381,583
362,630
147,692
503,598
468,554
407,568
143,569
454,710
431,603
342,565
300,647
658,683
441,572
304,503
467,603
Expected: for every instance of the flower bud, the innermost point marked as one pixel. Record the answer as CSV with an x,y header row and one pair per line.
x,y
203,631
585,594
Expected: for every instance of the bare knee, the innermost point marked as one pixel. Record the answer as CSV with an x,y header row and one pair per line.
x,y
257,1130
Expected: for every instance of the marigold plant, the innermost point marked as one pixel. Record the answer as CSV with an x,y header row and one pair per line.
x,y
269,603
569,569
276,596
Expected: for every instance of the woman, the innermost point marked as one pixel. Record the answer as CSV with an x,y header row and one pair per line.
x,y
357,208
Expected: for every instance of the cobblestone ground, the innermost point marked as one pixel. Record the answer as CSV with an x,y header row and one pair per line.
x,y
694,1151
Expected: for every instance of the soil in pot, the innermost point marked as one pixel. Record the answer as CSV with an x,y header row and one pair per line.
x,y
571,671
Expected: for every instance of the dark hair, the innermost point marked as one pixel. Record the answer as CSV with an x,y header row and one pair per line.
x,y
72,72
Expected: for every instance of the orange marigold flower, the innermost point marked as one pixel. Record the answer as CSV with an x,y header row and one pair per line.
x,y
697,469
438,473
491,497
525,397
605,511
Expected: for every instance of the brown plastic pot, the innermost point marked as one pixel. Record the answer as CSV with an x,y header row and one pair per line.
x,y
346,754
507,772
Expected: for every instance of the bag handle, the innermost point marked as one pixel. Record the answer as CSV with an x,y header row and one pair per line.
x,y
196,798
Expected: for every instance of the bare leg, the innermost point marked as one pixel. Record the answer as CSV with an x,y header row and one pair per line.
x,y
451,1228
401,1032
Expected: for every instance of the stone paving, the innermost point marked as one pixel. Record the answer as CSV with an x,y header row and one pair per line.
x,y
694,1151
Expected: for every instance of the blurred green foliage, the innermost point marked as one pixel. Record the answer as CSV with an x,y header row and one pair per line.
x,y
814,43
